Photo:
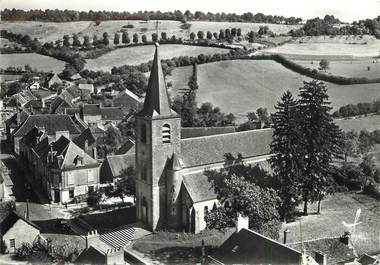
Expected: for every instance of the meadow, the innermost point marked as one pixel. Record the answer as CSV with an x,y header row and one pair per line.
x,y
51,31
241,86
340,47
141,54
349,68
369,123
36,61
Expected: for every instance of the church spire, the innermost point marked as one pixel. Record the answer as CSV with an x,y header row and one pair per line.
x,y
156,99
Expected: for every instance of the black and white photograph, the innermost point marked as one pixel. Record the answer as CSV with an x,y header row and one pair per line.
x,y
189,132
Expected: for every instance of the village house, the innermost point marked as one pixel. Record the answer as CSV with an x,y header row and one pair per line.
x,y
171,188
15,121
62,168
16,230
53,79
127,101
114,166
96,115
86,88
54,125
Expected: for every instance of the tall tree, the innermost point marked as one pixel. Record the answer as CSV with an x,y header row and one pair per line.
x,y
86,41
116,39
200,35
144,39
66,40
76,41
125,38
285,150
154,37
164,35
209,35
135,38
322,139
192,36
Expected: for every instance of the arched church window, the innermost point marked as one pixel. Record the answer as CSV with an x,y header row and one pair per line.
x,y
166,134
143,133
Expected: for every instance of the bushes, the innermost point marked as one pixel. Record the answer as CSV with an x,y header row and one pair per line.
x,y
358,109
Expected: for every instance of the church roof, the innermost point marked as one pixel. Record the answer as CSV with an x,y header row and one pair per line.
x,y
198,187
211,149
191,132
156,100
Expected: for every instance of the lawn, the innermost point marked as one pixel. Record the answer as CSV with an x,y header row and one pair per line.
x,y
142,54
338,47
51,31
36,61
348,68
335,209
241,86
369,123
180,248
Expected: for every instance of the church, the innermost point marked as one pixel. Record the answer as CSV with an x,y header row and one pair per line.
x,y
172,190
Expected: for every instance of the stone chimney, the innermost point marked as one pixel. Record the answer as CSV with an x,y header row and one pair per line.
x,y
242,222
286,232
320,258
345,239
91,237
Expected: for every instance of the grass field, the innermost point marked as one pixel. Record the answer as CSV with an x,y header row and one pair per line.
x,y
335,209
36,61
142,54
369,123
50,31
349,68
244,85
340,47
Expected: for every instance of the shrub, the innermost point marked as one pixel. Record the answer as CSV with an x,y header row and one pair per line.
x,y
24,251
129,26
3,247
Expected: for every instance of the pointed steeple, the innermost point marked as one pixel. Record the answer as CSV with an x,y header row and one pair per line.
x,y
156,99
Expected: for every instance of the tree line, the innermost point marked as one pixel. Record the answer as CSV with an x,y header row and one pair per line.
x,y
351,110
72,15
326,26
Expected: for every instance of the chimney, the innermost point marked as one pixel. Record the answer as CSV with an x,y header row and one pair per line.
x,y
320,258
91,237
345,239
95,153
242,222
286,232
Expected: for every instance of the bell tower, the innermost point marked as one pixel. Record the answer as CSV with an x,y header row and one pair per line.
x,y
158,135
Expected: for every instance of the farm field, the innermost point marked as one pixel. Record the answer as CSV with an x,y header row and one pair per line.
x,y
36,61
340,47
369,123
241,86
349,68
142,54
335,209
51,31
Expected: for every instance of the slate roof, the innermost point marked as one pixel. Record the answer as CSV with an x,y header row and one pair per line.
x,y
8,222
156,100
335,250
198,187
81,139
54,79
190,132
211,149
127,99
72,111
118,163
51,122
112,113
91,109
30,139
128,147
250,247
64,100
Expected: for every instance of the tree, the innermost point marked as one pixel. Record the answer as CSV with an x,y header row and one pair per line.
x,y
263,30
86,41
106,40
95,40
285,150
125,38
262,114
324,65
192,36
209,35
321,140
135,38
25,250
66,40
200,35
238,194
126,185
144,39
238,32
164,36
116,39
154,37
215,34
221,34
76,41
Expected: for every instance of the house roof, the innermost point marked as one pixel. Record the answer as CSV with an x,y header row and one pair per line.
x,y
64,99
51,122
80,140
91,109
156,100
30,139
127,148
127,99
250,247
118,163
211,149
54,79
335,250
198,187
8,222
111,113
72,111
86,86
191,132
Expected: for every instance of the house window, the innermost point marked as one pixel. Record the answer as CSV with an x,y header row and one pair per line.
x,y
71,193
12,243
90,176
70,178
166,134
206,210
143,133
